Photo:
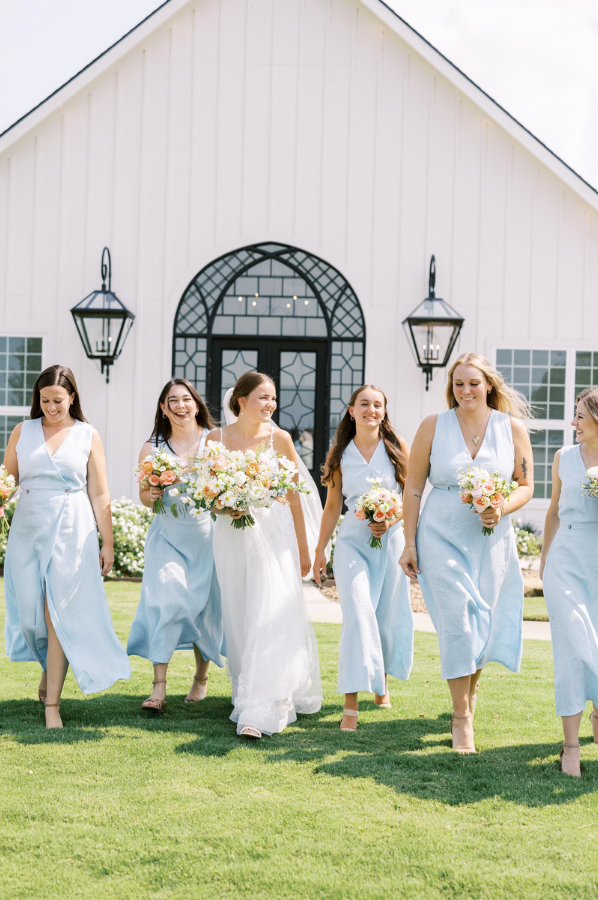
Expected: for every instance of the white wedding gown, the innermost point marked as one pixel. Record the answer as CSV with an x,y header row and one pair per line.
x,y
272,654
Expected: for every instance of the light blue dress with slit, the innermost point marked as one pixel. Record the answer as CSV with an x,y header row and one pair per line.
x,y
377,629
471,582
53,550
180,597
571,590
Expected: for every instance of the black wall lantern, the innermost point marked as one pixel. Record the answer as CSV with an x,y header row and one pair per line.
x,y
433,329
103,322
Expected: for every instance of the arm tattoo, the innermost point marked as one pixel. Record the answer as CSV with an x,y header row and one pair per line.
x,y
524,467
419,496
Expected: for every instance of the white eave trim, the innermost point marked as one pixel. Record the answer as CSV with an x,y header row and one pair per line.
x,y
489,106
93,70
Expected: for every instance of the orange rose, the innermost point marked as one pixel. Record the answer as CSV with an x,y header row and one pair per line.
x,y
147,466
209,491
251,470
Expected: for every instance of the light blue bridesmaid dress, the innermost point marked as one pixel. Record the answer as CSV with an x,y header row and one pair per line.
x,y
471,583
571,590
53,549
180,598
377,629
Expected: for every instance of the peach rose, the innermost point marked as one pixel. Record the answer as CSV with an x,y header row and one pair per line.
x,y
479,505
466,498
220,462
167,478
497,500
219,504
210,491
379,516
360,514
154,480
147,466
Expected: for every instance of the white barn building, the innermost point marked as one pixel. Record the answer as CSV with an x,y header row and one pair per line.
x,y
272,178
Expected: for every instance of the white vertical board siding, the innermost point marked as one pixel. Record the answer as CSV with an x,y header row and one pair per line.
x,y
310,122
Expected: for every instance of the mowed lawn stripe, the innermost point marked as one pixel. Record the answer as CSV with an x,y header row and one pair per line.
x,y
122,805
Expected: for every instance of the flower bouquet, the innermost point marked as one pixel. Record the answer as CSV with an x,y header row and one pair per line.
x,y
480,489
590,487
241,479
159,471
377,505
8,485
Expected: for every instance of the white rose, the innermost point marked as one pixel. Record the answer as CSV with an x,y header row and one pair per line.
x,y
240,478
592,472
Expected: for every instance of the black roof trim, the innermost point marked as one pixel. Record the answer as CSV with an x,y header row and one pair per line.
x,y
492,100
84,69
394,13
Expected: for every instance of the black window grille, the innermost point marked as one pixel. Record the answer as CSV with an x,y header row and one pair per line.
x,y
273,291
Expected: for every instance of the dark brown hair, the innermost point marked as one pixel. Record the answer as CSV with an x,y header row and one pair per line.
x,y
345,433
244,386
60,376
590,398
162,427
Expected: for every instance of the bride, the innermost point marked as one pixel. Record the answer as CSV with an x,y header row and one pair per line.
x,y
272,654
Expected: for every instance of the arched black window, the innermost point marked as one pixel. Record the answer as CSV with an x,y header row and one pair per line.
x,y
282,311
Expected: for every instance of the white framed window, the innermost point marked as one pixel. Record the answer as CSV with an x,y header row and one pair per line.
x,y
20,364
550,378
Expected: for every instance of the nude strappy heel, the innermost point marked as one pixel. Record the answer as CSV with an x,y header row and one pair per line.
x,y
561,754
199,681
461,749
350,712
157,706
594,719
251,732
53,706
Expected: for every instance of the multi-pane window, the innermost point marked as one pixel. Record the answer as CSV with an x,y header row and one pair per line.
x,y
20,364
7,423
539,375
544,446
550,380
586,370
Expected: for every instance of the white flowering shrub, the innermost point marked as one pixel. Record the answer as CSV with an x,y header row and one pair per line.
x,y
8,512
333,545
130,522
529,542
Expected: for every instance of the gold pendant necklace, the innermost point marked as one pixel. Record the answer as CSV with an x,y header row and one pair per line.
x,y
475,437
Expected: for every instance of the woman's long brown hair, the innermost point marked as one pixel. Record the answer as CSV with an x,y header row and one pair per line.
x,y
345,433
162,427
60,376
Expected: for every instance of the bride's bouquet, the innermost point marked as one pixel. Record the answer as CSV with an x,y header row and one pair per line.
x,y
590,487
480,489
239,480
377,505
161,471
8,485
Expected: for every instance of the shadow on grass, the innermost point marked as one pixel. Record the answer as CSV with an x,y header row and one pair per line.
x,y
410,756
413,756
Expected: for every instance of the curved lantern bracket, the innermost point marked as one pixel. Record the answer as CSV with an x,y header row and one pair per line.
x,y
103,321
433,329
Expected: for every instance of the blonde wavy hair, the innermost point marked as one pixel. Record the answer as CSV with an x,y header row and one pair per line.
x,y
502,397
590,398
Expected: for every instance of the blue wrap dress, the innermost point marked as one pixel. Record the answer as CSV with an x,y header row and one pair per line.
x,y
471,583
377,629
571,590
53,550
180,597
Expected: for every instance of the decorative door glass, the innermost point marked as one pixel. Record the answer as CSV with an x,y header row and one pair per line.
x,y
234,364
297,401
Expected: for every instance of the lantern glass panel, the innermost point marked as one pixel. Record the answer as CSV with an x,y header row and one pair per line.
x,y
432,342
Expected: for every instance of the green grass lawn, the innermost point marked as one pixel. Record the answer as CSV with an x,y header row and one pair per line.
x,y
120,805
534,609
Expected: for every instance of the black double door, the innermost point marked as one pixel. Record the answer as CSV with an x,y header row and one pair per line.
x,y
298,369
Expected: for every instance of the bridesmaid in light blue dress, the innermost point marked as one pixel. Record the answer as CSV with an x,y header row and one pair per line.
x,y
471,583
56,608
377,628
570,570
179,608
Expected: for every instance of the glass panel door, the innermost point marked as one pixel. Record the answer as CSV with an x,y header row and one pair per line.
x,y
234,364
297,400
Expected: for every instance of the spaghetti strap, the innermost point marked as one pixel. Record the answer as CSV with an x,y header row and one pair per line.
x,y
220,435
272,437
